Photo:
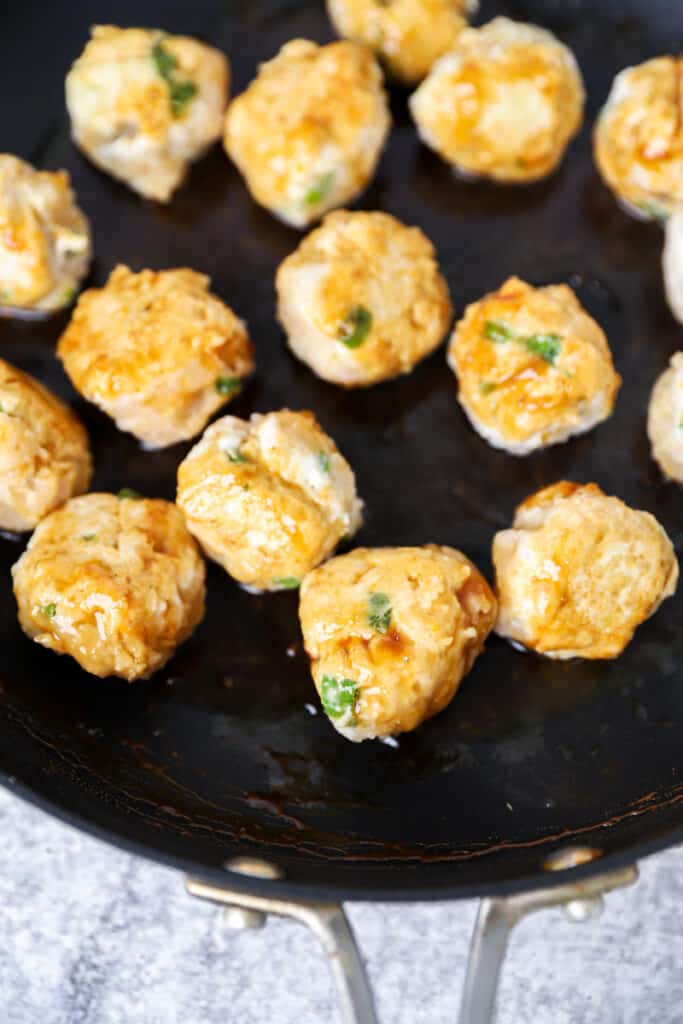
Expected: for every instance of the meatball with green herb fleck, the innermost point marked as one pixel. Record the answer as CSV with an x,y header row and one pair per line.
x,y
391,633
362,299
533,367
307,133
144,105
268,498
156,351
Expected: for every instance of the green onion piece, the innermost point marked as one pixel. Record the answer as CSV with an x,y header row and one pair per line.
x,y
496,330
228,385
379,612
128,492
287,583
236,457
355,327
339,697
324,461
180,91
487,386
88,536
50,610
317,192
545,346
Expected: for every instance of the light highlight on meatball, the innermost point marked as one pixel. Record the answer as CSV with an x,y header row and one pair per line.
x,y
116,583
533,367
638,142
307,133
144,105
406,35
268,498
44,453
156,351
504,103
45,244
665,420
391,632
362,300
579,571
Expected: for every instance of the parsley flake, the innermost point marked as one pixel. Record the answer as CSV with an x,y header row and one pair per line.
x,y
128,492
324,461
49,610
379,612
339,697
355,327
88,536
487,386
236,456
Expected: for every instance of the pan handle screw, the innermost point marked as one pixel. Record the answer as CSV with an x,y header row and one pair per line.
x,y
241,918
583,910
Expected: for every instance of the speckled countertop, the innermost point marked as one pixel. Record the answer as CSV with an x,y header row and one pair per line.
x,y
91,935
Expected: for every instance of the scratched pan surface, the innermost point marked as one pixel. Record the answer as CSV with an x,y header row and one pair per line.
x,y
218,753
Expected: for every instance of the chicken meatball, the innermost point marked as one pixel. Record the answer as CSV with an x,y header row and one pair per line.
x,y
406,35
638,140
157,352
665,420
362,300
391,632
268,498
44,452
672,262
116,583
533,367
144,105
308,132
45,244
504,103
579,571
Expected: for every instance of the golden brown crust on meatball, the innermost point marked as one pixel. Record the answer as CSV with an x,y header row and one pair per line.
x,y
638,137
268,498
117,584
407,35
45,244
579,571
307,133
44,452
361,299
665,419
144,105
391,632
157,351
504,103
533,367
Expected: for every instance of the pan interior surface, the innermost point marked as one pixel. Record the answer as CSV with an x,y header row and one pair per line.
x,y
226,750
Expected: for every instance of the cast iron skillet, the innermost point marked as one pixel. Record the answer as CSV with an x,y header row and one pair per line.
x,y
220,752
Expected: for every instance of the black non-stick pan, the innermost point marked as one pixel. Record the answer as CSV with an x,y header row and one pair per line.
x,y
223,751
